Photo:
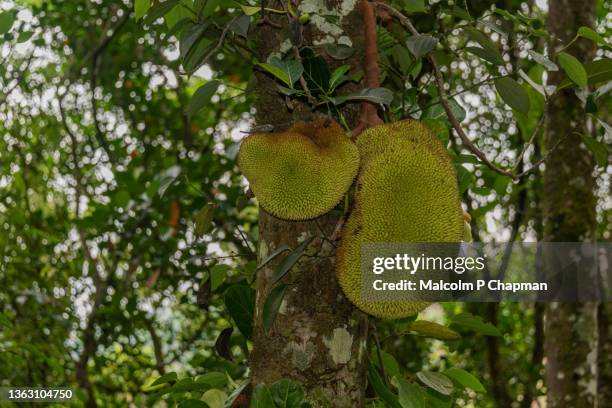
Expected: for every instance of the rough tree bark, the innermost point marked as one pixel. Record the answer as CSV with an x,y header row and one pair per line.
x,y
318,338
570,345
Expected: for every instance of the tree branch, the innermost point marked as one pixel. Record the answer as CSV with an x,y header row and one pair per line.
x,y
368,116
405,21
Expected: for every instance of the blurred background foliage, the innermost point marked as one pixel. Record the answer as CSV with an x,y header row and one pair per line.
x,y
127,238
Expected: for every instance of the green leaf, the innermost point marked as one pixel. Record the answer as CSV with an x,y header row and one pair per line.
x,y
486,54
439,128
214,398
215,379
475,323
513,94
202,97
218,273
290,260
167,178
376,95
210,7
287,394
437,400
597,71
241,25
7,18
250,10
490,50
433,330
316,71
600,150
338,77
261,397
389,362
339,52
411,395
437,111
277,252
414,6
24,36
420,45
204,220
159,11
592,35
573,68
543,61
140,8
287,71
121,198
272,305
380,388
240,303
436,381
164,379
464,379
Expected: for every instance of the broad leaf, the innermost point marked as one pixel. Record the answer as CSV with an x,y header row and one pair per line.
x,y
379,387
411,395
475,323
573,68
164,379
7,18
464,379
436,381
433,330
592,35
240,303
543,61
140,8
420,45
214,398
202,97
159,11
513,94
272,305
290,260
261,397
287,394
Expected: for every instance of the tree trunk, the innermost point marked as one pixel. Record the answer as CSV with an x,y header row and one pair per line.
x,y
318,338
605,356
569,215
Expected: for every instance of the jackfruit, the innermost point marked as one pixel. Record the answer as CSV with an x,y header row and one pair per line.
x,y
406,192
301,173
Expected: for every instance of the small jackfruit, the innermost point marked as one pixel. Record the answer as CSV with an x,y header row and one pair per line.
x,y
301,173
406,192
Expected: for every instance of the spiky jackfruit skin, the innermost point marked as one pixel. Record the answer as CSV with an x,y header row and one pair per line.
x,y
406,192
301,173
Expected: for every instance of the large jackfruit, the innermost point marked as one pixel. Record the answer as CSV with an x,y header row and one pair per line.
x,y
301,173
406,192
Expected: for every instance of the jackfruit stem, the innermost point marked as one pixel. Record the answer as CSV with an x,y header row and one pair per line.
x,y
368,116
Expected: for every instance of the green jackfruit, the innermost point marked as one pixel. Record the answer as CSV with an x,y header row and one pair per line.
x,y
406,192
301,173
